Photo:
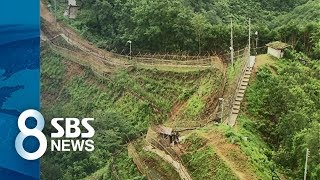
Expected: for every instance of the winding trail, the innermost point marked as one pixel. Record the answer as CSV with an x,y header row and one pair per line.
x,y
231,155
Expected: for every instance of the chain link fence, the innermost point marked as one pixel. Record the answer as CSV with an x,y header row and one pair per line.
x,y
233,84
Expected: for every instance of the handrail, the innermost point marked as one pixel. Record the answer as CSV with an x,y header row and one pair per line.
x,y
239,81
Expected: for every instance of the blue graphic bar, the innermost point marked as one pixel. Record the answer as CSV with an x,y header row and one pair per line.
x,y
19,83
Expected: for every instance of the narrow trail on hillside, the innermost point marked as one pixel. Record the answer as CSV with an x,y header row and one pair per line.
x,y
232,156
184,175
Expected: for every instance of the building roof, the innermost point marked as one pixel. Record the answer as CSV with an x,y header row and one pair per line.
x,y
278,45
163,130
72,2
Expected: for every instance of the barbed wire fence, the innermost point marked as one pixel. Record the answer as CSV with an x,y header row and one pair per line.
x,y
209,59
172,153
233,85
141,165
241,55
71,48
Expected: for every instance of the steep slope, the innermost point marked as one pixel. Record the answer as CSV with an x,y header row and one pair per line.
x,y
210,155
283,108
126,101
123,105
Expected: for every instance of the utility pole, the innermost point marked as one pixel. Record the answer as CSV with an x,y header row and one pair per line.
x,y
199,45
231,47
256,33
249,38
306,165
130,43
221,105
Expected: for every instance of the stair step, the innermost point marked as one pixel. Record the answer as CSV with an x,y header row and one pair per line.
x,y
235,111
244,84
246,76
241,90
247,73
240,95
237,103
239,98
236,107
245,80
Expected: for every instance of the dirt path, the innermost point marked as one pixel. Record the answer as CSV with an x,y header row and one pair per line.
x,y
45,13
184,175
232,155
264,59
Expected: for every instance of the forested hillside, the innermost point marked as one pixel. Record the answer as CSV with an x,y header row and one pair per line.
x,y
301,15
300,28
186,25
284,100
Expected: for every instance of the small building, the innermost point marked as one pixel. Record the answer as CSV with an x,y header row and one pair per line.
x,y
167,134
277,48
72,9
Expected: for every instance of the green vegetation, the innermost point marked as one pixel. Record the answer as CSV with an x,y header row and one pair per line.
x,y
164,88
252,145
123,107
289,121
280,117
116,120
159,168
119,167
52,73
205,164
194,142
191,26
301,15
196,104
233,72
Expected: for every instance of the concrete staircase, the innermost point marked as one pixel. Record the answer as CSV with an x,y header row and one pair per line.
x,y
240,93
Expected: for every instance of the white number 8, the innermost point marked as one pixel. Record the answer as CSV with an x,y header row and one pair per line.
x,y
35,132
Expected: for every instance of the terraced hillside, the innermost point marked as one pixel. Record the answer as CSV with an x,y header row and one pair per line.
x,y
129,96
123,105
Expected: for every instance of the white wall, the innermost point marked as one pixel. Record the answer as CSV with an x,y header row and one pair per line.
x,y
275,53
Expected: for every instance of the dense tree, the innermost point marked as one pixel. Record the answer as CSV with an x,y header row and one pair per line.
x,y
180,25
200,25
287,106
302,38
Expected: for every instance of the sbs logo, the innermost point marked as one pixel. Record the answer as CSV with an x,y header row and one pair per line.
x,y
75,140
35,132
